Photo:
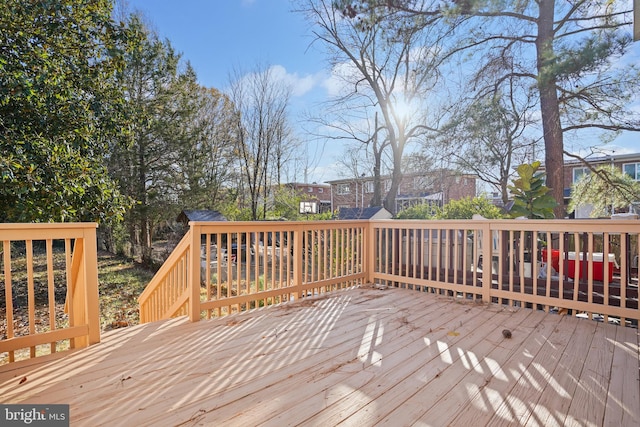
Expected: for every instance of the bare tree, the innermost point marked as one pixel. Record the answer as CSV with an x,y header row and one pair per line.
x,y
492,134
569,51
261,101
387,69
366,146
206,146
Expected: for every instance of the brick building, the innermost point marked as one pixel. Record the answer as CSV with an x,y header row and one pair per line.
x,y
435,187
628,163
574,169
314,193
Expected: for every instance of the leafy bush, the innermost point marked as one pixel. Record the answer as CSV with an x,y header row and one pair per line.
x,y
456,209
531,197
467,207
606,189
423,211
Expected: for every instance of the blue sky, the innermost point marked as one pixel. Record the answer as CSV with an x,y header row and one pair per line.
x,y
218,36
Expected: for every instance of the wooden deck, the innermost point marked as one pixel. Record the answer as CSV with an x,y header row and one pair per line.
x,y
359,357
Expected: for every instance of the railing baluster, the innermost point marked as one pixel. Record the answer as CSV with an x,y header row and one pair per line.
x,y
605,265
589,258
51,292
31,294
561,250
207,269
624,279
8,293
466,259
512,259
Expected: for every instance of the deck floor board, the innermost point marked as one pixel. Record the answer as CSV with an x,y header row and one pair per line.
x,y
374,384
498,379
457,372
358,357
434,361
354,371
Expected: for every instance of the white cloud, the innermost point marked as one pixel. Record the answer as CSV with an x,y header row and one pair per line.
x,y
339,82
300,85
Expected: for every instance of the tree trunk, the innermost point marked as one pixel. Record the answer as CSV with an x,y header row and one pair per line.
x,y
549,108
390,199
504,191
377,156
377,182
143,215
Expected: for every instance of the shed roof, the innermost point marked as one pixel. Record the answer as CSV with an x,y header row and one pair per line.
x,y
374,212
200,215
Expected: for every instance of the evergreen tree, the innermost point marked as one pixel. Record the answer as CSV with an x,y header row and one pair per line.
x,y
60,106
145,166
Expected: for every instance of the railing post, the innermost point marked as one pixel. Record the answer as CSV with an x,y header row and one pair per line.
x,y
193,278
83,304
368,252
76,292
487,260
91,283
298,252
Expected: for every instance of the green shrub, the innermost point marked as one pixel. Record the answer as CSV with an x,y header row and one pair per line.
x,y
531,197
456,209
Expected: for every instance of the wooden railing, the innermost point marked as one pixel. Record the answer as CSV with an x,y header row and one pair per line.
x,y
579,267
48,289
225,267
167,294
552,265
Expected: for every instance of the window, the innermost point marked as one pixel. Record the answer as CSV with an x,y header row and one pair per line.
x,y
423,183
309,189
633,170
320,190
578,173
344,189
368,187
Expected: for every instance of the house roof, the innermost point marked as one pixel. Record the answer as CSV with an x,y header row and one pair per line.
x,y
374,212
200,215
307,184
430,173
618,158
